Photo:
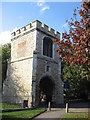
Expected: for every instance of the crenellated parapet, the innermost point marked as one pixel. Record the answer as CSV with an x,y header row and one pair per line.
x,y
35,25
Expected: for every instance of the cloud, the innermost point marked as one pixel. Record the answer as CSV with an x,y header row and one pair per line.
x,y
42,5
5,36
45,8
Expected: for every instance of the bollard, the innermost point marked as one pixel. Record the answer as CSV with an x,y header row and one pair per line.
x,y
49,107
66,107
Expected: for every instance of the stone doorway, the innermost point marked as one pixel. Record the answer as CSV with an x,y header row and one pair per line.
x,y
46,90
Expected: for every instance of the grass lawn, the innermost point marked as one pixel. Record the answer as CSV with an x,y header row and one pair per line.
x,y
75,116
6,106
21,114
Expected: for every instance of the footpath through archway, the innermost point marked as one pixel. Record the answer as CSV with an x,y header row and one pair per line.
x,y
46,86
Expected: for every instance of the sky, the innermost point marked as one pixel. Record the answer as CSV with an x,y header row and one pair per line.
x,y
18,14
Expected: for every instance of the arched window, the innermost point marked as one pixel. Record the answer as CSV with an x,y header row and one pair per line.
x,y
48,47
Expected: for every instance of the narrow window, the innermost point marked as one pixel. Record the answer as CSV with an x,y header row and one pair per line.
x,y
48,47
47,68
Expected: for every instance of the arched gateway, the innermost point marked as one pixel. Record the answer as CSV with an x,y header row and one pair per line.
x,y
34,72
47,88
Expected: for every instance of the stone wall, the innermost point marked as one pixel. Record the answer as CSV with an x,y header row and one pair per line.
x,y
28,65
19,82
18,85
54,73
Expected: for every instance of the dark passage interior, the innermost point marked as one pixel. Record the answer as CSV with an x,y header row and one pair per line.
x,y
46,90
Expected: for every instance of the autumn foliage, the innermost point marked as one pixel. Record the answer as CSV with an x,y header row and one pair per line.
x,y
73,47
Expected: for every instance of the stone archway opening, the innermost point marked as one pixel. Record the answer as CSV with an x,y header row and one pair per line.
x,y
46,90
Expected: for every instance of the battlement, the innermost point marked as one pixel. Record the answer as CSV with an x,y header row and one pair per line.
x,y
36,25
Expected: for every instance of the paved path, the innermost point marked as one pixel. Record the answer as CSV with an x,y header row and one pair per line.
x,y
56,113
51,115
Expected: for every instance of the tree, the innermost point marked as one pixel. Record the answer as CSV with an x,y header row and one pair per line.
x,y
76,77
6,54
74,45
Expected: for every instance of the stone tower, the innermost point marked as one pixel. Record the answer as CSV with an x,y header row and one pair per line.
x,y
34,71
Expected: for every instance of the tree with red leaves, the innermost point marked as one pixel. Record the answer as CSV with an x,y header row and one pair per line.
x,y
73,47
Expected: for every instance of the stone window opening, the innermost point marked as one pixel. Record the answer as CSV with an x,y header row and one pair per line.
x,y
48,47
25,103
48,68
